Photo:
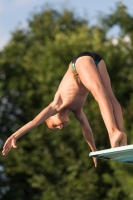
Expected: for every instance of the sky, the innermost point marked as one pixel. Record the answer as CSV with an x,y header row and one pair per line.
x,y
14,13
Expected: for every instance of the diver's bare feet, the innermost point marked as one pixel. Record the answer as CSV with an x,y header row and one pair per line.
x,y
118,139
123,141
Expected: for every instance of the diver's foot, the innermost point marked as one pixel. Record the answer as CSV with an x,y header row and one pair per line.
x,y
118,139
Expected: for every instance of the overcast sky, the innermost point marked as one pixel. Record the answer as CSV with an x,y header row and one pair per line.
x,y
14,13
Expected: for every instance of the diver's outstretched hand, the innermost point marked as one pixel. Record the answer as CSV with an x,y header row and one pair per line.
x,y
9,144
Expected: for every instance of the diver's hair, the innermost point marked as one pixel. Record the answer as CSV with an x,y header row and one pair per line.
x,y
47,126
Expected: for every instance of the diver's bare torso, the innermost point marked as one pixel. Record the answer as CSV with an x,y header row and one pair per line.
x,y
71,92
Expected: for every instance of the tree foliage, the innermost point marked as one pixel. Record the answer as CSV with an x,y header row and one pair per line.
x,y
55,165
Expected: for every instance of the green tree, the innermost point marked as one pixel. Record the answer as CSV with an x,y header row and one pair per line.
x,y
55,165
46,165
119,59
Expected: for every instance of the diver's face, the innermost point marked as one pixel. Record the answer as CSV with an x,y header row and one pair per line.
x,y
57,121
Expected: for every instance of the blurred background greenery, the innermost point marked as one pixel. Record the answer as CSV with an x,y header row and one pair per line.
x,y
55,164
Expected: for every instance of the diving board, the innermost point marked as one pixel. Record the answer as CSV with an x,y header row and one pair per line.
x,y
119,154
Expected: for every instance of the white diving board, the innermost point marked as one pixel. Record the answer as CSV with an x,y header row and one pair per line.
x,y
119,154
